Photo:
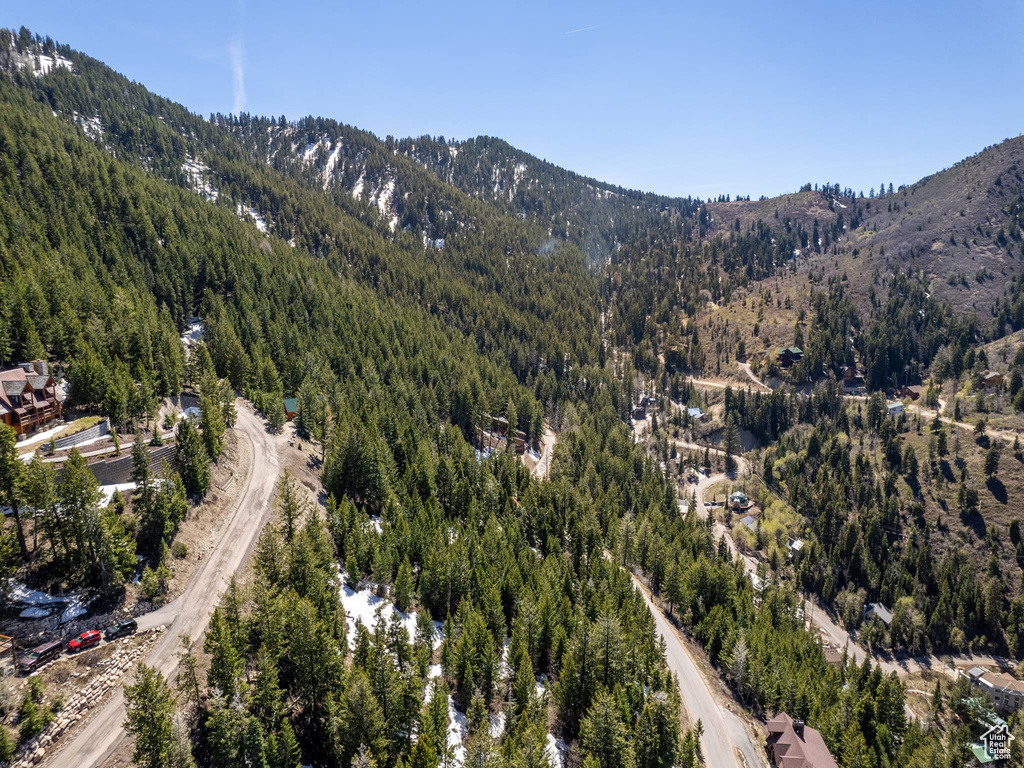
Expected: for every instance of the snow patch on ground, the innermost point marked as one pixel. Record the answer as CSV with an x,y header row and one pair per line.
x,y
197,174
309,153
40,437
437,244
92,126
457,730
497,725
555,751
107,491
39,63
194,333
382,200
251,213
433,673
331,164
34,613
357,190
39,603
517,175
363,605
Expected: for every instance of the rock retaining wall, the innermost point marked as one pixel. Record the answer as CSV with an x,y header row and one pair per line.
x,y
96,430
76,708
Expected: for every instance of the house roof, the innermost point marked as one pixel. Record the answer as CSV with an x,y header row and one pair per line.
x,y
694,413
833,657
750,522
797,750
999,680
14,387
879,610
291,404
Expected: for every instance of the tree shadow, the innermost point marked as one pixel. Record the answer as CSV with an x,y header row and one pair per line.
x,y
996,488
947,471
973,520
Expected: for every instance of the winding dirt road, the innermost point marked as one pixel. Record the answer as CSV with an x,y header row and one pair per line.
x,y
190,613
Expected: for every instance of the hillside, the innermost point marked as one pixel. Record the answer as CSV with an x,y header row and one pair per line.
x,y
431,601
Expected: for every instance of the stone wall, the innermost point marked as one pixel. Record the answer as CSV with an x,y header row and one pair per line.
x,y
78,706
96,430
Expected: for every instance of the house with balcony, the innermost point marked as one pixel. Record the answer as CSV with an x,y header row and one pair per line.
x,y
29,397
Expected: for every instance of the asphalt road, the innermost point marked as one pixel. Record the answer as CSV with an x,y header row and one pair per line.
x,y
190,613
726,742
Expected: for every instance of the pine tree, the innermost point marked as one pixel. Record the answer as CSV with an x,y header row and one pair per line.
x,y
603,734
150,709
288,503
191,459
11,469
992,459
403,586
225,661
731,445
211,417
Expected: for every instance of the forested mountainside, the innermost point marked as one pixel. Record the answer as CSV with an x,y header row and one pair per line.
x,y
949,247
400,310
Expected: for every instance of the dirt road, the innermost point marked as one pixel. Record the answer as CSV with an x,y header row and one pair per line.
x,y
543,467
190,613
745,367
820,619
726,737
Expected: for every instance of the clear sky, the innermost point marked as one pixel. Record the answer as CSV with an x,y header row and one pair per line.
x,y
674,97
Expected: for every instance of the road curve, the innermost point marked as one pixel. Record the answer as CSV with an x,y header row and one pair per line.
x,y
745,367
726,738
190,613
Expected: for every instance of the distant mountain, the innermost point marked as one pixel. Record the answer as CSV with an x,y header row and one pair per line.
x,y
961,228
480,217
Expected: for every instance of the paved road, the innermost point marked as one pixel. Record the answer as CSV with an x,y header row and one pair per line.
x,y
190,613
726,741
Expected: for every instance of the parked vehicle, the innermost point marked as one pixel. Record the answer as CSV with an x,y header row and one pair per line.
x,y
32,660
85,640
121,629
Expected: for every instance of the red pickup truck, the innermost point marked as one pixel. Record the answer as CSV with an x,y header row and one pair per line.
x,y
85,640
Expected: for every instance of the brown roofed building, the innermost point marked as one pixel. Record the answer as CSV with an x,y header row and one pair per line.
x,y
791,744
913,391
29,397
991,380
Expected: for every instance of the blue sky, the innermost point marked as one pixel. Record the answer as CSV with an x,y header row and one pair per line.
x,y
672,97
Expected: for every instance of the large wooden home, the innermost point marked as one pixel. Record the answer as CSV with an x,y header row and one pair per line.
x,y
29,397
787,356
791,744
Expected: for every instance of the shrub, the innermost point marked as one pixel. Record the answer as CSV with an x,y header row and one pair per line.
x,y
154,582
180,550
30,720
